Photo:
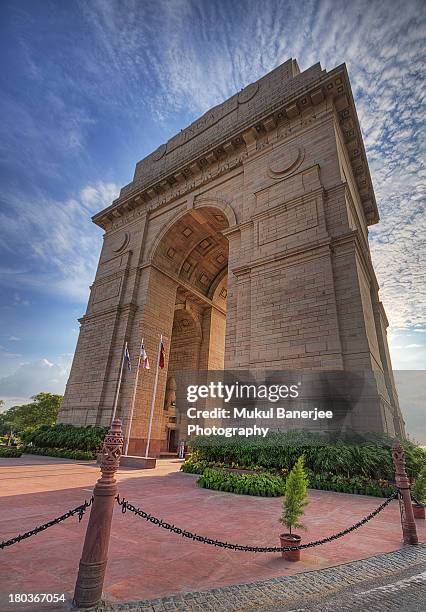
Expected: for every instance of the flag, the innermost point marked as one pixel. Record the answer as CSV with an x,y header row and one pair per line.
x,y
161,358
127,358
144,358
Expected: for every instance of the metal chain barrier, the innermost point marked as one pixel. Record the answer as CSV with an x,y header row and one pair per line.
x,y
125,505
80,510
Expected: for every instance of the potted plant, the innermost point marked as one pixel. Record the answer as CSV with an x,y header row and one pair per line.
x,y
418,493
294,502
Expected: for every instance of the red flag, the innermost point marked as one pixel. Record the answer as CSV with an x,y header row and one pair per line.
x,y
161,360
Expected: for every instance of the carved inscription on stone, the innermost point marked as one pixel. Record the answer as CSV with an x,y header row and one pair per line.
x,y
107,290
111,265
287,221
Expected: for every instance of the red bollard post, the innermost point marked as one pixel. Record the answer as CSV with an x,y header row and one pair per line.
x,y
409,530
91,573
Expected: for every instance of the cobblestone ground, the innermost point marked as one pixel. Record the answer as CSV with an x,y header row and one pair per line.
x,y
395,581
407,594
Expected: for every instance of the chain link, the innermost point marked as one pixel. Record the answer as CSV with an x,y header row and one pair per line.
x,y
80,510
125,505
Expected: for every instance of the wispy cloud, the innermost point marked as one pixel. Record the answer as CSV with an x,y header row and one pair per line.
x,y
54,239
30,378
202,52
408,346
412,397
107,80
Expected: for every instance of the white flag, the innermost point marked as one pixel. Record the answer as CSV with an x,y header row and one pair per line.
x,y
144,358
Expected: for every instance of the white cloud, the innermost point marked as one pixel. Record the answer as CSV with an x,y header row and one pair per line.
x,y
56,241
411,387
408,346
177,59
18,300
203,52
14,339
9,355
36,142
32,378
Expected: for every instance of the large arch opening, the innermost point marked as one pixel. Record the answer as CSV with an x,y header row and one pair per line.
x,y
194,252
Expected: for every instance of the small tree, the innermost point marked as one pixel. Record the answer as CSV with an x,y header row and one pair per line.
x,y
295,497
418,490
42,411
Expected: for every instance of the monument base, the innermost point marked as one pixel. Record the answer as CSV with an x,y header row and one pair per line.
x,y
141,463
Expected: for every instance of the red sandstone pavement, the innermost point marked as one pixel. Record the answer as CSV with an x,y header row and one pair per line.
x,y
148,562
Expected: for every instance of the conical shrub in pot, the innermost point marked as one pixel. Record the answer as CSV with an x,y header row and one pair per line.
x,y
294,502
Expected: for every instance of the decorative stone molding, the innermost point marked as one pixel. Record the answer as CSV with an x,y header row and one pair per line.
x,y
120,242
276,98
285,163
159,153
248,93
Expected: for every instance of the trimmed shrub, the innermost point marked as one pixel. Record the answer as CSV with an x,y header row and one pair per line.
x,y
263,485
9,451
66,437
279,451
360,485
194,467
60,452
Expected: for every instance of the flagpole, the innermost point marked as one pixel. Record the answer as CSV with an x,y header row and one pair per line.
x,y
119,383
129,427
153,397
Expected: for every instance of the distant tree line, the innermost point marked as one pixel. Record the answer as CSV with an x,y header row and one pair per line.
x,y
43,410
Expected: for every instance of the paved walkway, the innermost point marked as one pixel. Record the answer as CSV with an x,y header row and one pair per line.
x,y
392,582
147,562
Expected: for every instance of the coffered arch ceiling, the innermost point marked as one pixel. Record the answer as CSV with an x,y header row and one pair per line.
x,y
186,326
194,249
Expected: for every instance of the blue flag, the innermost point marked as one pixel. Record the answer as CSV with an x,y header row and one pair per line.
x,y
127,358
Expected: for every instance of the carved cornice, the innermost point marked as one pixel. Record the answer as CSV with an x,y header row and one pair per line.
x,y
220,140
294,256
130,308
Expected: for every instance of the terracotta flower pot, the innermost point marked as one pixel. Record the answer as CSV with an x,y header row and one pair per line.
x,y
290,539
419,511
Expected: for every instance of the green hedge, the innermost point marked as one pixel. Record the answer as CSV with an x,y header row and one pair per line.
x,y
9,451
264,485
279,451
66,436
60,452
190,466
360,485
272,485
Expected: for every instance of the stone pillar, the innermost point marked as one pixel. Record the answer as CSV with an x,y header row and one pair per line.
x,y
91,573
409,531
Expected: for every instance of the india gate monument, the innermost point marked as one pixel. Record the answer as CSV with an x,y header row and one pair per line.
x,y
243,240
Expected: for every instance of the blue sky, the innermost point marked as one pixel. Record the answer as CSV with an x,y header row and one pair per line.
x,y
90,87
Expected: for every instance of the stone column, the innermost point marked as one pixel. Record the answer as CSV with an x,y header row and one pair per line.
x,y
91,573
409,531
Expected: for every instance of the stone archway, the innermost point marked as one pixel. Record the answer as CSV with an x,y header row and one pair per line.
x,y
187,278
287,264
